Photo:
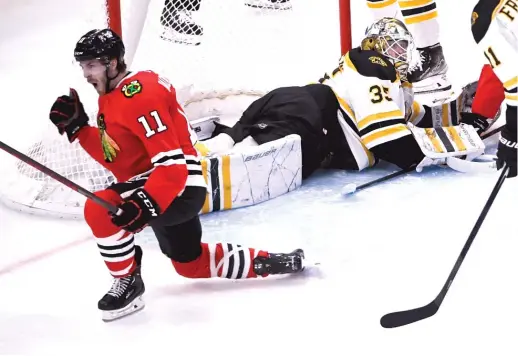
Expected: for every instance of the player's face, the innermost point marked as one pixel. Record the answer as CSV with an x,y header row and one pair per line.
x,y
95,73
397,50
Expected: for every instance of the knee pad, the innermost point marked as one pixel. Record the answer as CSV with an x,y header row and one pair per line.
x,y
98,218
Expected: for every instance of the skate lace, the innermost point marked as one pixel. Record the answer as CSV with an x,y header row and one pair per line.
x,y
119,286
417,63
184,17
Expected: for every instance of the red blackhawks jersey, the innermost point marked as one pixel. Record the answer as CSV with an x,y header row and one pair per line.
x,y
142,130
490,93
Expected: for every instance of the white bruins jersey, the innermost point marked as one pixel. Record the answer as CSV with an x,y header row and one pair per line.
x,y
372,104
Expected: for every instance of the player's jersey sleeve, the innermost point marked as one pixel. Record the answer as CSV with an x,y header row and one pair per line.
x,y
490,93
153,116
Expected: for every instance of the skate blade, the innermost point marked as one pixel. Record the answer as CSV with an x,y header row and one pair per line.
x,y
133,307
181,39
269,6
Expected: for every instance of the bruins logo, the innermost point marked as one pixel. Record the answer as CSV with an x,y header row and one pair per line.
x,y
132,89
378,60
109,146
474,18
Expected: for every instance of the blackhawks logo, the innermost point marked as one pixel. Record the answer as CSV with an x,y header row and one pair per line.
x,y
131,89
109,146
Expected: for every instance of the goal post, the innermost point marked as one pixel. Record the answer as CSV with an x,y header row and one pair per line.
x,y
246,49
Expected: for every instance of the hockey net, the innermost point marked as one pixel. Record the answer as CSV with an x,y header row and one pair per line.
x,y
219,54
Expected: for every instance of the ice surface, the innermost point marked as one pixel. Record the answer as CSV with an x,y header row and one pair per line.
x,y
387,248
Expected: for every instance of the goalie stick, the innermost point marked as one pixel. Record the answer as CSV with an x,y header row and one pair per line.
x,y
353,188
401,318
40,167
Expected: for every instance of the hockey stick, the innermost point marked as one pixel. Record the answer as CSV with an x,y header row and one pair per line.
x,y
491,133
40,167
352,188
397,319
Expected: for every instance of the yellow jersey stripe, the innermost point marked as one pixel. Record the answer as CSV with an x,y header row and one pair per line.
x,y
411,20
511,83
383,133
405,4
394,114
380,4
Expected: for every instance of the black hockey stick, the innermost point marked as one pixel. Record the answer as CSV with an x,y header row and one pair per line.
x,y
397,319
352,188
40,167
492,132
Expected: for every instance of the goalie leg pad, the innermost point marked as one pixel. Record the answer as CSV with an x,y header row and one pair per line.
x,y
253,174
440,143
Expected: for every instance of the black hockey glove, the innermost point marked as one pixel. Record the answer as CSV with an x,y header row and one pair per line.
x,y
479,122
507,148
68,114
137,211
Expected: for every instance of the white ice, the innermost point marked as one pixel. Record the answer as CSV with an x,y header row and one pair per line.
x,y
387,248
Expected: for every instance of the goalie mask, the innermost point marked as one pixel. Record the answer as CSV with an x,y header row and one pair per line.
x,y
390,37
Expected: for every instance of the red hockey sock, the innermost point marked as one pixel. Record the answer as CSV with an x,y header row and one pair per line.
x,y
116,246
221,260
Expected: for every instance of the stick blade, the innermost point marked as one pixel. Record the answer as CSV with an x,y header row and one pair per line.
x,y
401,318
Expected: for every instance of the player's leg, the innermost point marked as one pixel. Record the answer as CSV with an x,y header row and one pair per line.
x,y
284,111
495,29
178,25
121,256
192,258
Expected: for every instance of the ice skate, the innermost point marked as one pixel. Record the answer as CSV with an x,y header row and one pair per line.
x,y
269,4
181,29
280,263
429,75
125,294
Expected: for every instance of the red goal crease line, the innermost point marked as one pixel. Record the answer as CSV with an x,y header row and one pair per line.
x,y
13,267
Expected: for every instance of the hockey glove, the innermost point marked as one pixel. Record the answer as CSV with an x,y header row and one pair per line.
x,y
137,211
68,114
507,148
479,122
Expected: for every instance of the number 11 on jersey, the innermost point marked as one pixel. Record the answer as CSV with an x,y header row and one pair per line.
x,y
160,127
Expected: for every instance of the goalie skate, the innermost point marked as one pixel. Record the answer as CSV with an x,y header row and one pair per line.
x,y
125,295
182,29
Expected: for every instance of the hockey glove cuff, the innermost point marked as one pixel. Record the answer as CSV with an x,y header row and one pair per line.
x,y
68,114
507,149
137,211
479,122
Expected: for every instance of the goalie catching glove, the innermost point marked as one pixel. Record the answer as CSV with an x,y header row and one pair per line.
x,y
137,211
455,146
68,114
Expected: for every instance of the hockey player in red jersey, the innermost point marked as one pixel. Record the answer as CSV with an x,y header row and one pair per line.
x,y
490,94
144,138
495,29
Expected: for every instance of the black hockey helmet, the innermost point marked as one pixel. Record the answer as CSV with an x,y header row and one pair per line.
x,y
102,44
